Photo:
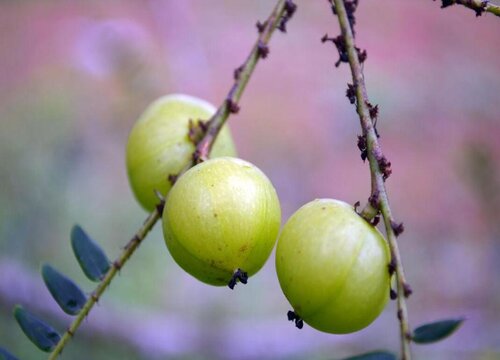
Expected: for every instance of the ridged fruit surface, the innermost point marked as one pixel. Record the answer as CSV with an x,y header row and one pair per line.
x,y
332,267
221,215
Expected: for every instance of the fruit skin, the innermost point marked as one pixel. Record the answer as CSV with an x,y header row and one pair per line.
x,y
332,267
221,215
158,144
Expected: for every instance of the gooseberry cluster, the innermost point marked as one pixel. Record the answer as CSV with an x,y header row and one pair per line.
x,y
221,220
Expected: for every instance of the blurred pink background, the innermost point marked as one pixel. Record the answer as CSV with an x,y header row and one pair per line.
x,y
74,76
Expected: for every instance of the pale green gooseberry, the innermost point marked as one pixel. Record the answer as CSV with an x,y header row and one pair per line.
x,y
220,216
158,145
332,266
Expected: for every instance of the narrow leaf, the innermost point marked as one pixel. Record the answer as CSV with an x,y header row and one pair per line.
x,y
5,355
373,355
90,256
64,291
435,331
40,333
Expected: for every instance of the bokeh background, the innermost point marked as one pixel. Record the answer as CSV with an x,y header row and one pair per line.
x,y
74,76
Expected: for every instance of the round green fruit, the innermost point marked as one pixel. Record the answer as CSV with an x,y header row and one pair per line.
x,y
158,145
220,216
332,267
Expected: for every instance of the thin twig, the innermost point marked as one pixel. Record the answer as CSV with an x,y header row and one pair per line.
x,y
278,18
280,15
479,6
129,249
378,170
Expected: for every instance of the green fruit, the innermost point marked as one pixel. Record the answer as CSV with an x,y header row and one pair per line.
x,y
220,216
332,267
158,145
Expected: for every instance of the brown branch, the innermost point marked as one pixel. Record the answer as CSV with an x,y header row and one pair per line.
x,y
279,17
479,6
379,170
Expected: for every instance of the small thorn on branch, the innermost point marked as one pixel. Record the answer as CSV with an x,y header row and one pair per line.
x,y
392,266
383,164
160,207
94,297
341,48
134,240
351,93
238,275
362,147
237,72
292,316
196,130
374,199
375,220
407,290
200,155
262,49
290,8
393,295
398,228
362,54
172,178
373,111
261,26
232,106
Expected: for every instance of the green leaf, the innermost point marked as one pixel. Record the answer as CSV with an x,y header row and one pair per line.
x,y
40,333
90,256
373,355
64,291
436,331
5,355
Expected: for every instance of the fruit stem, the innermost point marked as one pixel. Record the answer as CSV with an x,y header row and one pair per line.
x,y
282,12
379,166
129,249
238,275
280,15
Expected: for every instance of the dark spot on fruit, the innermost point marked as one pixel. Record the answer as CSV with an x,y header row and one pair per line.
x,y
219,248
243,248
323,208
215,215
